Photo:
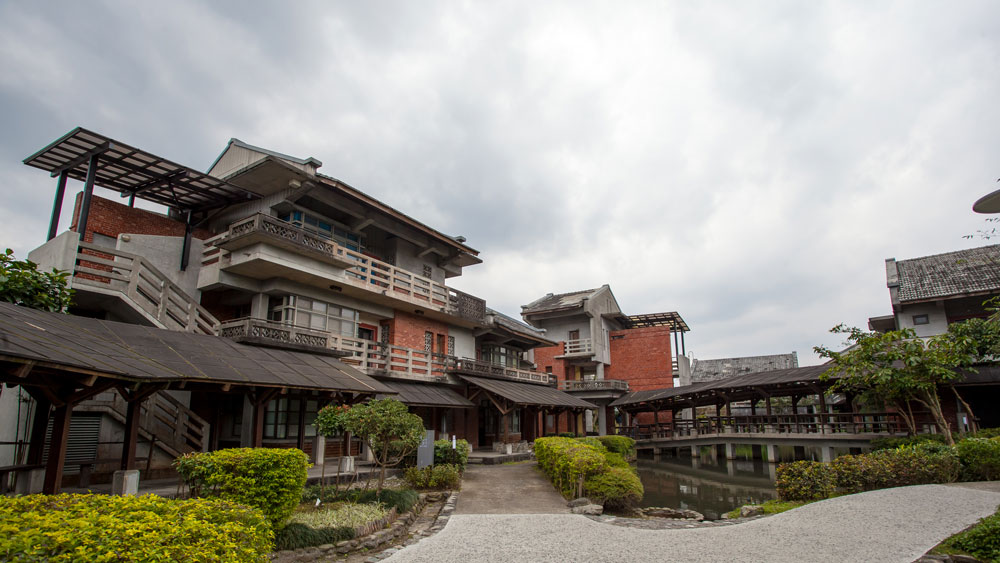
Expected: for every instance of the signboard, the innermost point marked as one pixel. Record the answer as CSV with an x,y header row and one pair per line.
x,y
425,451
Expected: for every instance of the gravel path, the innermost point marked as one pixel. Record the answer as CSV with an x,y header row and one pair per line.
x,y
889,525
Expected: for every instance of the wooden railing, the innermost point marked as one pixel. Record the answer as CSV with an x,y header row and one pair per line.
x,y
147,288
877,423
578,347
363,271
163,419
595,385
476,367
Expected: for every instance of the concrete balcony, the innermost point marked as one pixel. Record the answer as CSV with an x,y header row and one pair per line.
x,y
262,247
469,366
579,348
595,389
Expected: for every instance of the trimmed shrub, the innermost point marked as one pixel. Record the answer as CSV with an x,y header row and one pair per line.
x,y
566,435
980,458
68,528
443,453
568,462
616,460
616,488
620,445
987,433
297,536
270,479
804,480
443,476
592,442
981,541
893,443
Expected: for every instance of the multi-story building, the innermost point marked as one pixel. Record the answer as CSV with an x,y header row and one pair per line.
x,y
266,250
929,293
601,353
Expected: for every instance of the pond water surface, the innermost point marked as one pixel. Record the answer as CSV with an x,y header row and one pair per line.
x,y
706,484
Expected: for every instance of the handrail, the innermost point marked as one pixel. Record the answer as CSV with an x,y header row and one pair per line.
x,y
164,419
147,287
364,271
876,423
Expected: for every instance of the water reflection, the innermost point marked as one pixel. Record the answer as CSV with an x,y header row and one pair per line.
x,y
706,483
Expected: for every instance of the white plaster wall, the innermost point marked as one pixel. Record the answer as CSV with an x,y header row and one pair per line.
x,y
558,329
465,342
58,253
13,424
935,314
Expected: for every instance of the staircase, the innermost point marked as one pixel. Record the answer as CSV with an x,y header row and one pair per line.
x,y
140,284
163,421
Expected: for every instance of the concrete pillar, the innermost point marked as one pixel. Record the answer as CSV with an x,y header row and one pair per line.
x,y
696,451
602,420
588,421
731,467
319,450
125,482
30,482
826,453
258,306
730,451
772,472
772,453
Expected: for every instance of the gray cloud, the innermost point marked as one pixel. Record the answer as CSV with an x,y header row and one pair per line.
x,y
749,165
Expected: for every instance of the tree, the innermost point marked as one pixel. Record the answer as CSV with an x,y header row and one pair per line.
x,y
330,422
389,430
22,283
897,368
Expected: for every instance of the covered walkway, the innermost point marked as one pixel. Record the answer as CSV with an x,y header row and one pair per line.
x,y
890,525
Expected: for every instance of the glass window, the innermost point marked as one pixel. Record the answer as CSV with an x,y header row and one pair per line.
x,y
281,419
319,226
317,315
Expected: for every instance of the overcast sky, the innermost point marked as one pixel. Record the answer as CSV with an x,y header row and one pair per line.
x,y
747,164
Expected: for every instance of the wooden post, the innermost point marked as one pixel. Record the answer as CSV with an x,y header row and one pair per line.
x,y
131,437
300,441
257,431
57,449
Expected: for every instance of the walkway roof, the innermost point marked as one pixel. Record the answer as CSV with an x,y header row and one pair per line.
x,y
428,395
737,388
529,394
135,172
49,345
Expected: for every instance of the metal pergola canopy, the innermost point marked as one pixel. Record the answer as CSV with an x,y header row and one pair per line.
x,y
672,319
135,173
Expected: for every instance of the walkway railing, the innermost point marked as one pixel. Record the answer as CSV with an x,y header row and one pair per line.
x,y
362,270
881,423
146,288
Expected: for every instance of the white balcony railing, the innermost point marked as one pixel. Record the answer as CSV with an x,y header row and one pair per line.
x,y
578,347
362,271
476,367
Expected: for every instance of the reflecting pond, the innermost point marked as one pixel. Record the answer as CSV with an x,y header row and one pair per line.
x,y
707,484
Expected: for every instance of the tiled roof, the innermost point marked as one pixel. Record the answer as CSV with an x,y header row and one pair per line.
x,y
511,323
528,394
553,302
972,271
724,368
146,354
428,395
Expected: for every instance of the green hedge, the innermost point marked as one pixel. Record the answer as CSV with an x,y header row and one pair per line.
x,y
442,476
980,458
575,464
893,443
64,528
616,488
981,541
619,444
269,479
894,468
804,480
987,433
443,453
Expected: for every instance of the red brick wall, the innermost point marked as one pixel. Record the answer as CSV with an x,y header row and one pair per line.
x,y
545,357
111,218
408,330
642,356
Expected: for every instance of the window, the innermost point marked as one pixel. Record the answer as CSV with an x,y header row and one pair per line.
x,y
515,421
428,272
921,320
315,314
548,369
451,345
428,342
326,229
501,355
281,419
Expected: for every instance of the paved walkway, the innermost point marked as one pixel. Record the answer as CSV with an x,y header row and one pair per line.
x,y
897,525
518,488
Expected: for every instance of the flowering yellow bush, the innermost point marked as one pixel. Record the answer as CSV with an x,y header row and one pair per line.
x,y
63,528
